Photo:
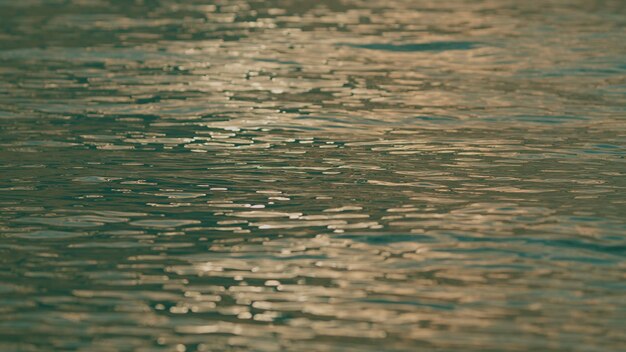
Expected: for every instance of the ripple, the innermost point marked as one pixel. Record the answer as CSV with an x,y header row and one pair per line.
x,y
163,223
432,46
73,221
50,235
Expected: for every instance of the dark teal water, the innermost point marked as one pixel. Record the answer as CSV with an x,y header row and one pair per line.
x,y
312,175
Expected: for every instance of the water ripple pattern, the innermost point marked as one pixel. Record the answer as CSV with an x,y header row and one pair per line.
x,y
312,175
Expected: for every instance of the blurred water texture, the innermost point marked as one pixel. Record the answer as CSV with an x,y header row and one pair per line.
x,y
312,175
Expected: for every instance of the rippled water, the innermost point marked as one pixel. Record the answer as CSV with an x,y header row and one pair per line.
x,y
312,175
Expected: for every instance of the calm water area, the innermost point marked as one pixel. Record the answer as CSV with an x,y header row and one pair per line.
x,y
291,175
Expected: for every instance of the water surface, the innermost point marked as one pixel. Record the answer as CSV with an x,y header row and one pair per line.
x,y
312,176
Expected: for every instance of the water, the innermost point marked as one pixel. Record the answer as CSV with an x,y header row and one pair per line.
x,y
312,176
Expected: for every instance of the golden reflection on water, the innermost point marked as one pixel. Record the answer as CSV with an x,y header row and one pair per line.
x,y
311,176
